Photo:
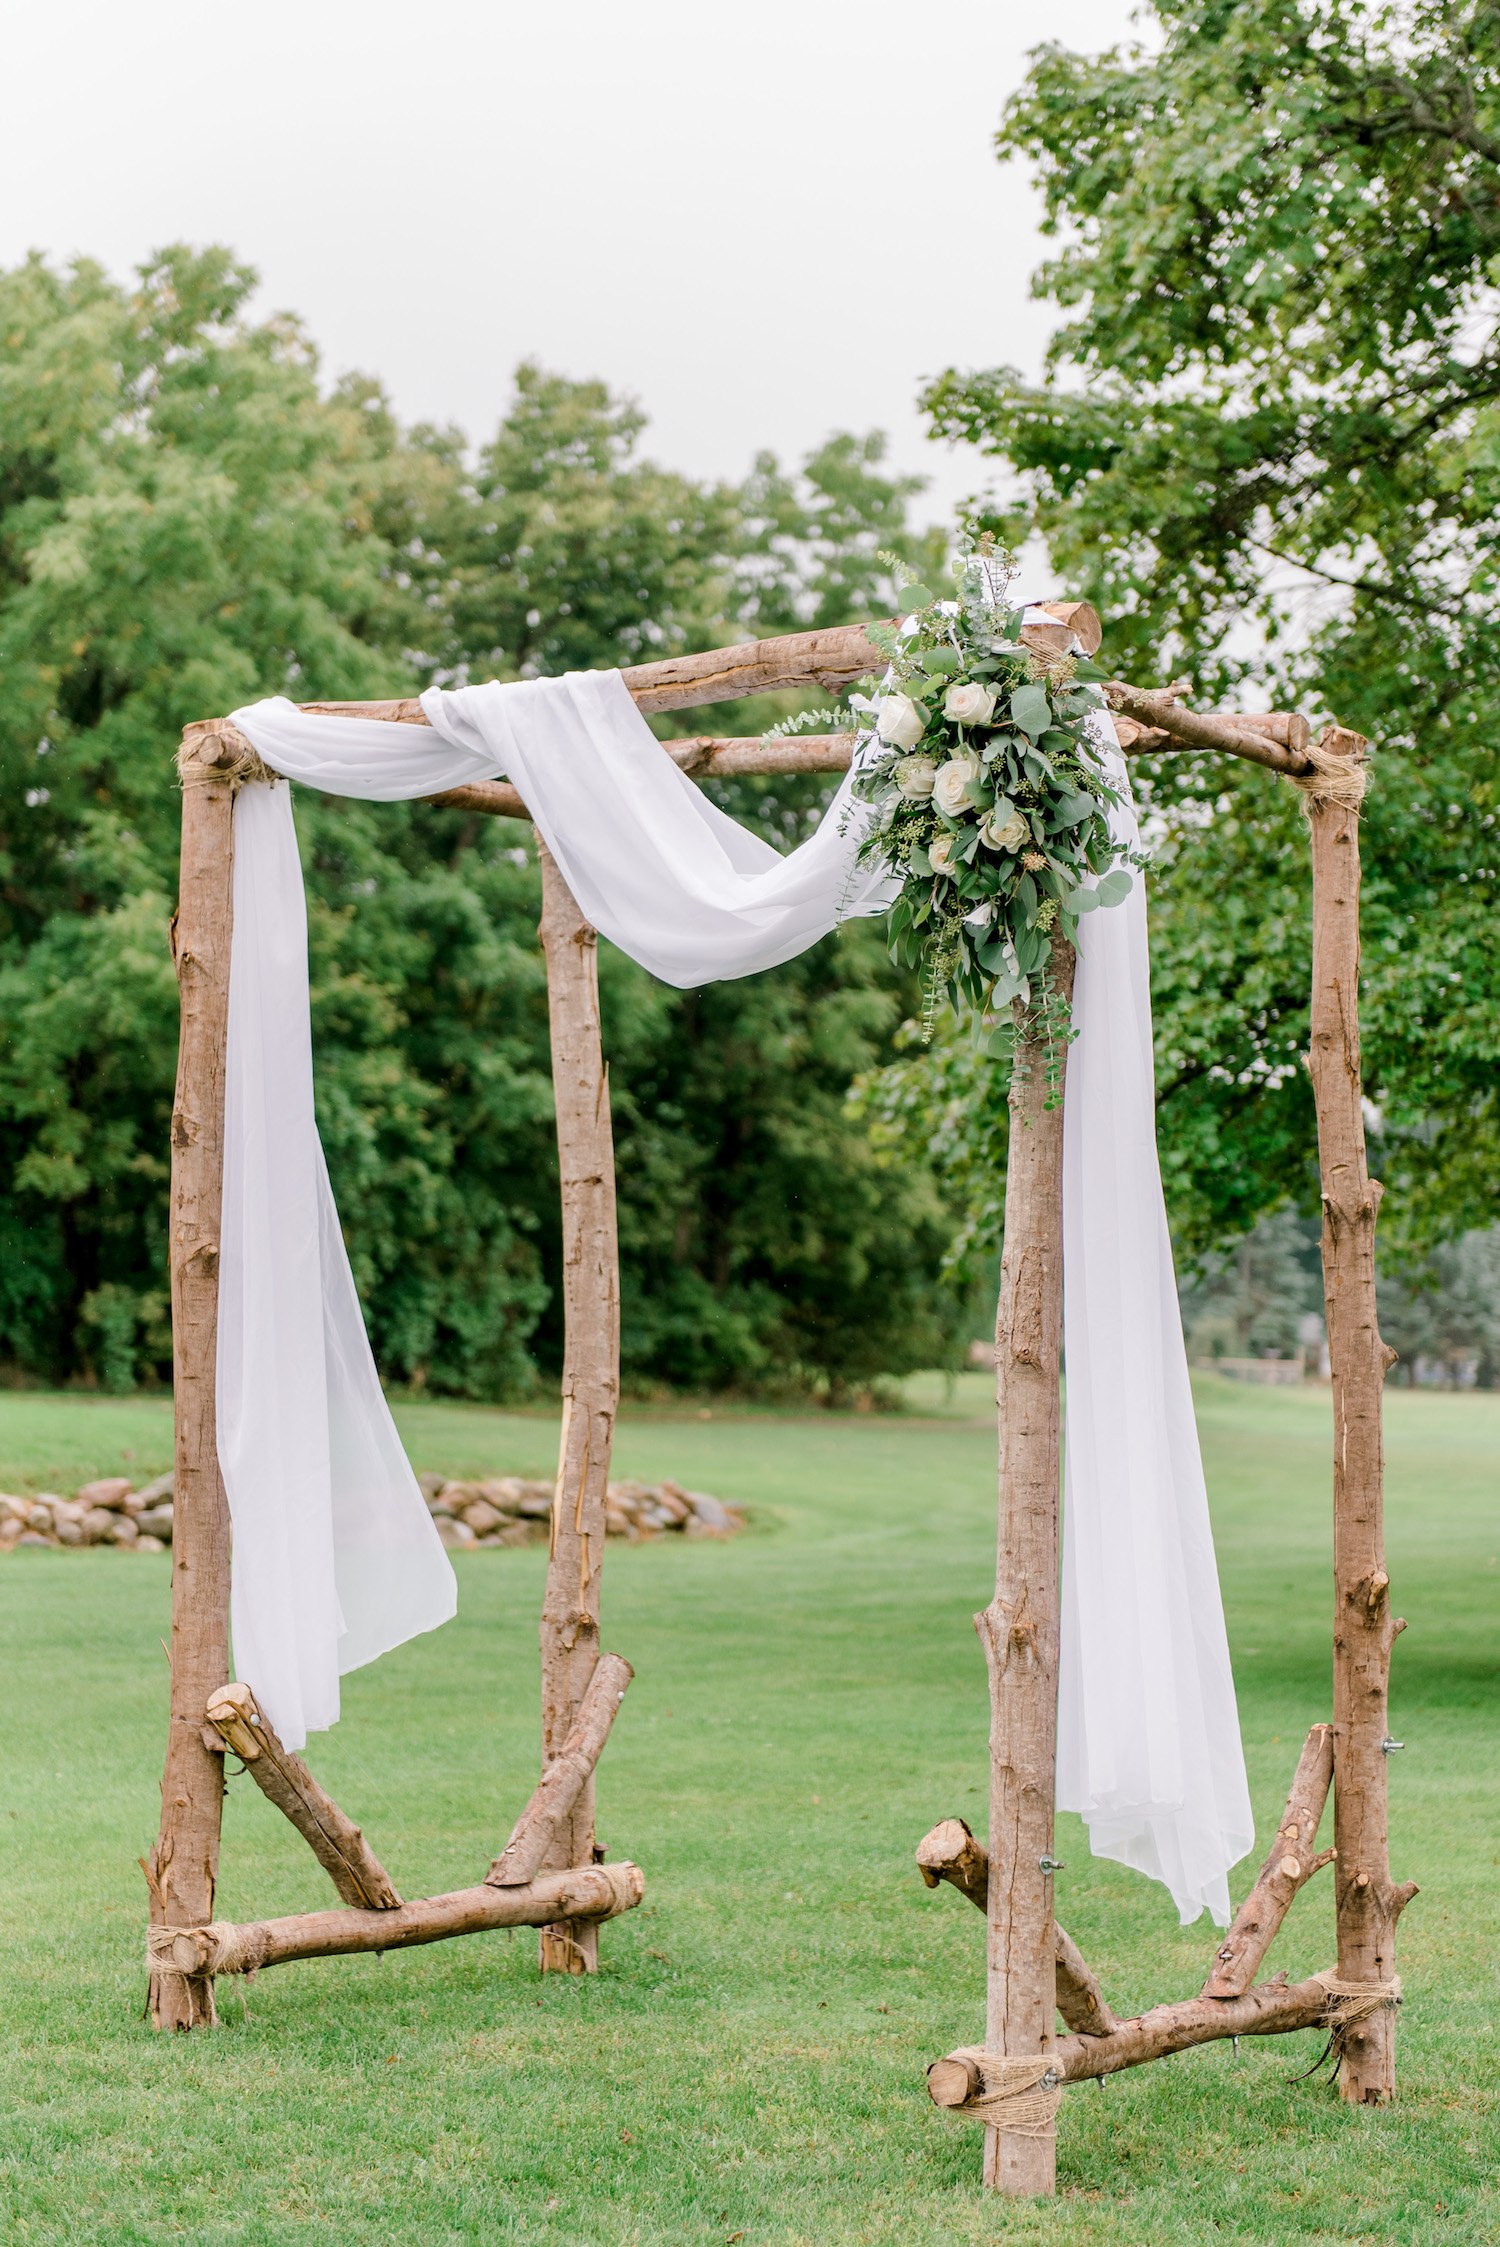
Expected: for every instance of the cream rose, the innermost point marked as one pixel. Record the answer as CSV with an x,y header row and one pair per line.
x,y
914,777
950,790
969,706
900,724
940,855
1010,834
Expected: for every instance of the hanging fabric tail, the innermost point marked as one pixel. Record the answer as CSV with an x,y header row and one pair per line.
x,y
335,1555
1149,1749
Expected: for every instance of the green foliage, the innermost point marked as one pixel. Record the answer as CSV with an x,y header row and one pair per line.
x,y
187,522
988,806
1269,448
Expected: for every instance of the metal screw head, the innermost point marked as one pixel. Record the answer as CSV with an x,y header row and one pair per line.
x,y
1050,1865
1388,1746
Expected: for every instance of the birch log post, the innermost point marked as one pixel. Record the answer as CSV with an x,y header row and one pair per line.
x,y
1019,1629
1364,1629
591,1376
182,1870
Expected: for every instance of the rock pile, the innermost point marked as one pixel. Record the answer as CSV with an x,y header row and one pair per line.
x,y
503,1510
111,1512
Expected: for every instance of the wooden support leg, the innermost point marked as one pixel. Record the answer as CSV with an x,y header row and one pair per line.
x,y
1364,1629
591,1375
566,1776
182,1870
1019,1630
951,1853
283,1778
1290,1863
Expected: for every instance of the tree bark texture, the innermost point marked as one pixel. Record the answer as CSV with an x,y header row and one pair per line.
x,y
283,1778
1277,741
1019,1629
1271,2009
1290,1864
182,1870
582,1896
826,659
1364,1628
564,1779
951,1853
591,1375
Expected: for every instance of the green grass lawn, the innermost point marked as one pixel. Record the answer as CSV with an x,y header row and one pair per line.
x,y
809,1699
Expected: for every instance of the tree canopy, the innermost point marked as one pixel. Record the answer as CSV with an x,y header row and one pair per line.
x,y
1267,446
189,520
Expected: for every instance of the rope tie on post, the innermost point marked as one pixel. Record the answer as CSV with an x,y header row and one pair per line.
x,y
217,750
214,1949
1333,779
1020,2097
1356,2001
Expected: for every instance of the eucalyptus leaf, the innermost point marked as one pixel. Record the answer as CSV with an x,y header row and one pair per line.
x,y
914,597
1031,710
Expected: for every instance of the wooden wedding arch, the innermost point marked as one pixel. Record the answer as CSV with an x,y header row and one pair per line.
x,y
549,1875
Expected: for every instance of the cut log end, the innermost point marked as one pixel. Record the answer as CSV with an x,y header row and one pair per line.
x,y
953,2081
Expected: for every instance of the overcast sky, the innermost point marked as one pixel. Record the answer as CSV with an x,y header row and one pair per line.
x,y
767,223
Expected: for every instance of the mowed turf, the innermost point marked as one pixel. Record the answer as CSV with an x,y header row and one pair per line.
x,y
749,2065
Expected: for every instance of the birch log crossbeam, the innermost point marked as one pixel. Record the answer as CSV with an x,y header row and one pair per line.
x,y
589,1893
283,1778
1271,2009
1289,1866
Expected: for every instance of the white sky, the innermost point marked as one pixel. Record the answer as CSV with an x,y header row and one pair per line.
x,y
766,223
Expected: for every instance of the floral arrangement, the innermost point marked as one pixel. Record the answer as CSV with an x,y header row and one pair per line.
x,y
988,801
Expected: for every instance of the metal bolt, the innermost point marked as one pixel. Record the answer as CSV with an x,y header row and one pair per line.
x,y
1389,1746
1050,1865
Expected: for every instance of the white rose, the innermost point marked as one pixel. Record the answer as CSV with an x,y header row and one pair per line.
x,y
940,855
914,777
950,790
969,706
1009,835
900,724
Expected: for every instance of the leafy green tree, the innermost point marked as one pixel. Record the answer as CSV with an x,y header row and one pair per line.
x,y
1268,446
187,522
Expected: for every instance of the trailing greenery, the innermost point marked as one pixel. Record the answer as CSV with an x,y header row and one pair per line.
x,y
988,804
188,521
1267,447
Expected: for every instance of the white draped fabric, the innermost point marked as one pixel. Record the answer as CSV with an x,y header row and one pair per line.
x,y
333,1563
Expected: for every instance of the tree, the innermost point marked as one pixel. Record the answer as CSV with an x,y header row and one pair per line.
x,y
188,522
1268,446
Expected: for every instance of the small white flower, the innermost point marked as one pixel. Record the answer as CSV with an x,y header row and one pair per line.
x,y
914,777
940,855
969,705
950,790
1009,835
901,724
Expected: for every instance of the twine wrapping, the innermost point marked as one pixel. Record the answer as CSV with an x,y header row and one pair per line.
x,y
1334,779
1020,2097
1356,2001
216,1949
236,760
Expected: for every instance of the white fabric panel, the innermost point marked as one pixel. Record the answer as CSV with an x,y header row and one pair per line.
x,y
656,867
335,1555
1149,1747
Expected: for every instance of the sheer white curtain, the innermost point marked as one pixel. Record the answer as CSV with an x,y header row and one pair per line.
x,y
1149,1742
